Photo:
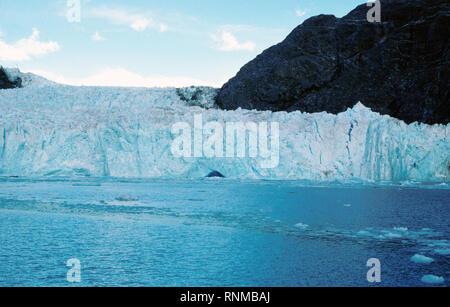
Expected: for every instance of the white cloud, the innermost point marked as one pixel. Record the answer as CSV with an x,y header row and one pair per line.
x,y
300,13
140,24
137,22
226,41
163,27
123,77
26,48
97,37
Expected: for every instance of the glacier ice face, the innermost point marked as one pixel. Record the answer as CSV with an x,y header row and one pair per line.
x,y
28,79
55,130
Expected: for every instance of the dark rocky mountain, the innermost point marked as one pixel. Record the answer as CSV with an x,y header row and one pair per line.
x,y
398,66
5,83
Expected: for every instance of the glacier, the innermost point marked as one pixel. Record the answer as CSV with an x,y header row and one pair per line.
x,y
48,129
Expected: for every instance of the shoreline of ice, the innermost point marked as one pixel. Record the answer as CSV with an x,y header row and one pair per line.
x,y
51,130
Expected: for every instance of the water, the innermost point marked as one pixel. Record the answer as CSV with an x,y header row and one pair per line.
x,y
219,232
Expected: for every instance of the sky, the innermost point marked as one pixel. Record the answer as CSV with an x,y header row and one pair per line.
x,y
147,42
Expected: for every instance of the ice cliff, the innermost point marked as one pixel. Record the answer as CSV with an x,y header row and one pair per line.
x,y
53,130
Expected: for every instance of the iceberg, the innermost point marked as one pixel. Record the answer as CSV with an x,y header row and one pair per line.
x,y
444,252
432,279
421,259
301,226
48,129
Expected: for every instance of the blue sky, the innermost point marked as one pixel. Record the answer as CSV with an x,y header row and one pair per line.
x,y
147,42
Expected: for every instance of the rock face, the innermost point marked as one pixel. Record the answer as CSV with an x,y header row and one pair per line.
x,y
200,96
398,66
5,83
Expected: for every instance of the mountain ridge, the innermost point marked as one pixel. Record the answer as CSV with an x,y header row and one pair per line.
x,y
397,67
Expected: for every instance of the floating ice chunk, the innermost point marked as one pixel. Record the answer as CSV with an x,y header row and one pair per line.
x,y
364,233
444,252
432,279
439,243
421,259
402,229
392,235
127,198
347,205
301,226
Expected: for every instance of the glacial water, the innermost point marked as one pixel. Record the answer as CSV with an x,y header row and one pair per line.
x,y
221,232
